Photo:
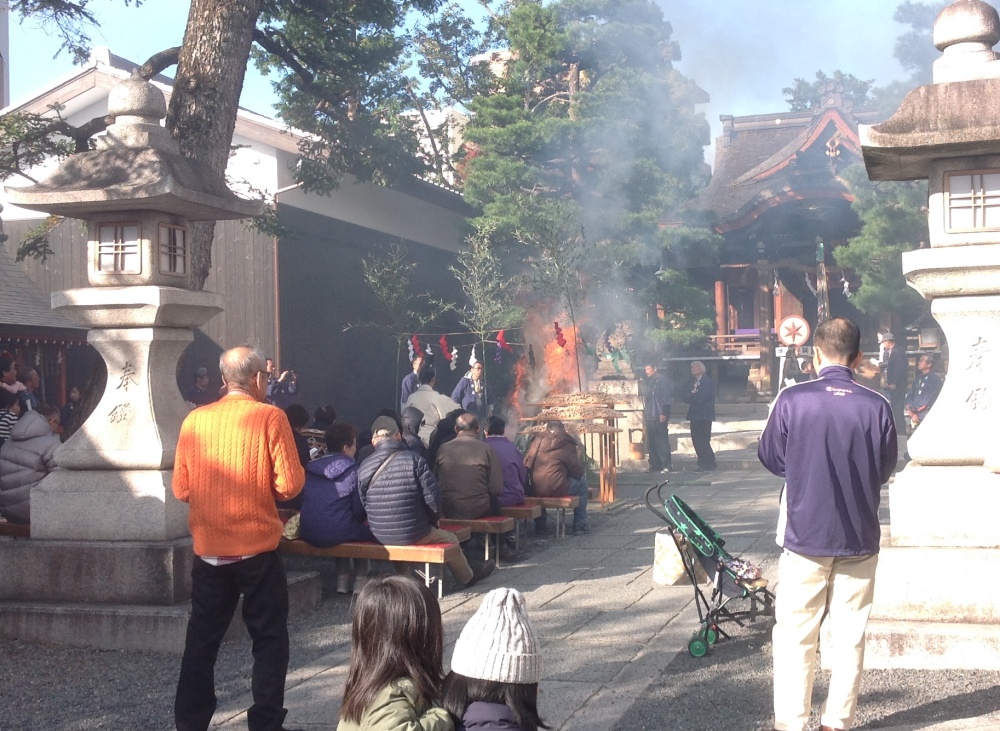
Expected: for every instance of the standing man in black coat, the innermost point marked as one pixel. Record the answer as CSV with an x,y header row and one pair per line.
x,y
701,414
896,368
656,414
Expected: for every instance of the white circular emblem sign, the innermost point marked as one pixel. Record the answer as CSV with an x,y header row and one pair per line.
x,y
793,330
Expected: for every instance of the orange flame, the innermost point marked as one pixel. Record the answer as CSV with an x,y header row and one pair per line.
x,y
560,363
520,386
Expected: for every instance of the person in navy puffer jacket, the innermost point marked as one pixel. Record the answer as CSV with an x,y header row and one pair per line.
x,y
332,511
403,501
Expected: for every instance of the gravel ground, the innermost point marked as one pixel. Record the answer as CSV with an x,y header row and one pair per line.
x,y
50,688
731,689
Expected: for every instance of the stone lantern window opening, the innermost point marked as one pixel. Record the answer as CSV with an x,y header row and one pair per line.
x,y
972,201
118,249
173,250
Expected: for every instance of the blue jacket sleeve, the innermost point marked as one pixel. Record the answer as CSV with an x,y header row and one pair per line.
x,y
430,486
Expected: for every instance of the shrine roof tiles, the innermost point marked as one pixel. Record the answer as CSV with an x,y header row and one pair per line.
x,y
755,157
22,303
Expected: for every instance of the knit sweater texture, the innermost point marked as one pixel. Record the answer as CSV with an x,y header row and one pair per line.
x,y
234,458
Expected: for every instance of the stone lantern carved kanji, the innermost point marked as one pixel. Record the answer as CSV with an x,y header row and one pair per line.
x,y
948,133
112,497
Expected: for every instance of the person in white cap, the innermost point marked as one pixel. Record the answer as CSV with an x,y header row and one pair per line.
x,y
495,668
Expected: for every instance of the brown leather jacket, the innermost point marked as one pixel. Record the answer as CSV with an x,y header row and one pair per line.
x,y
552,459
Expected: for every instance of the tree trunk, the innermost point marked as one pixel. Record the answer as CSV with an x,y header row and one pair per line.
x,y
202,115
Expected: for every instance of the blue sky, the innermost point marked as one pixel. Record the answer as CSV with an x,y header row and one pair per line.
x,y
742,53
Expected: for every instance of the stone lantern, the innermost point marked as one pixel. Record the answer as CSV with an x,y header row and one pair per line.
x,y
932,607
109,512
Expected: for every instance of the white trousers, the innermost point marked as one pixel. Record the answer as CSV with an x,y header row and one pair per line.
x,y
811,589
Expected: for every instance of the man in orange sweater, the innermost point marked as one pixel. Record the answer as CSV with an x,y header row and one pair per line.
x,y
234,459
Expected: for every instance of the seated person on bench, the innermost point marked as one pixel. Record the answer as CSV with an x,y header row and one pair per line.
x,y
515,474
332,512
403,501
469,473
553,460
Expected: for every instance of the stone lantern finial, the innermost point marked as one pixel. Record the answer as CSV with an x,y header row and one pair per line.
x,y
965,32
138,107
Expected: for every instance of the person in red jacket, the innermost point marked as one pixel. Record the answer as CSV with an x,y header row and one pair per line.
x,y
234,459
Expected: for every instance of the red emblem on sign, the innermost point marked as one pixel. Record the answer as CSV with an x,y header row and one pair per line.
x,y
794,330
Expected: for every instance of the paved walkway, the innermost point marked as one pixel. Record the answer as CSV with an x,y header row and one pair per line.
x,y
609,634
607,631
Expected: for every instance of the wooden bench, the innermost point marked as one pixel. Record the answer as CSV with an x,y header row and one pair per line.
x,y
560,505
15,530
427,554
520,513
489,525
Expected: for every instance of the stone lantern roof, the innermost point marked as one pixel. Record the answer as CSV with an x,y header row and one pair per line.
x,y
956,116
136,166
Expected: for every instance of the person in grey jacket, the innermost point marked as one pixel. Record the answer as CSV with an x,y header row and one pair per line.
x,y
25,459
403,501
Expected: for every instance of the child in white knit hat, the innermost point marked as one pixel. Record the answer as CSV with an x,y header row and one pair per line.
x,y
394,677
495,668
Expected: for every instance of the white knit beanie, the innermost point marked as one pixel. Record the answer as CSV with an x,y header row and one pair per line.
x,y
499,643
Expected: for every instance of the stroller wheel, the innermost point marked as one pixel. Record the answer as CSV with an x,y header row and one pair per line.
x,y
710,633
697,647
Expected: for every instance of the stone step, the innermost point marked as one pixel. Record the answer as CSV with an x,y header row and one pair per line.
x,y
129,626
932,645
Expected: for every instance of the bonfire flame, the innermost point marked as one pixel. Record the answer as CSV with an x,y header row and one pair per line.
x,y
560,363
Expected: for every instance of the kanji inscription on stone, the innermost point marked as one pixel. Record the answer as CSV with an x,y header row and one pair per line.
x,y
120,413
127,377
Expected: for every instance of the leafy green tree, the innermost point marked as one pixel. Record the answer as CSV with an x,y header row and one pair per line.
x,y
804,95
340,72
489,292
682,313
584,141
894,220
914,48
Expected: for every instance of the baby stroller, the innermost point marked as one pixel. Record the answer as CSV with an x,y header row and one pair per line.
x,y
732,578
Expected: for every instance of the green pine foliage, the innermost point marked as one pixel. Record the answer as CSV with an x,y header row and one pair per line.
x,y
584,142
894,220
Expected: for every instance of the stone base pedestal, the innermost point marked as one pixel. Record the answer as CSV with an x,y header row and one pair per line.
x,y
936,603
945,506
101,572
935,609
107,505
128,626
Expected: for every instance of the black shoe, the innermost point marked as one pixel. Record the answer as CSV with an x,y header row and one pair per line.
x,y
481,572
580,529
508,553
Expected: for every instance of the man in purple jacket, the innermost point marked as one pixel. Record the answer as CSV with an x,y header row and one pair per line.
x,y
834,442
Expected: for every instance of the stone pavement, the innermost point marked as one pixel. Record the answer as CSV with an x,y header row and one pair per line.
x,y
608,632
606,629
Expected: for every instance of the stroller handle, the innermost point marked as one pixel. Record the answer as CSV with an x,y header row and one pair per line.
x,y
657,507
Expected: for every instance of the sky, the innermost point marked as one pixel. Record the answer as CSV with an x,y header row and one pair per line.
x,y
742,53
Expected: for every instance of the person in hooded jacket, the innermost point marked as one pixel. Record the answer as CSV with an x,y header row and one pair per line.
x,y
553,461
332,512
25,459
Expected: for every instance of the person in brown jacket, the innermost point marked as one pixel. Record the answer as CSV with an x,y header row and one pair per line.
x,y
469,472
553,461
